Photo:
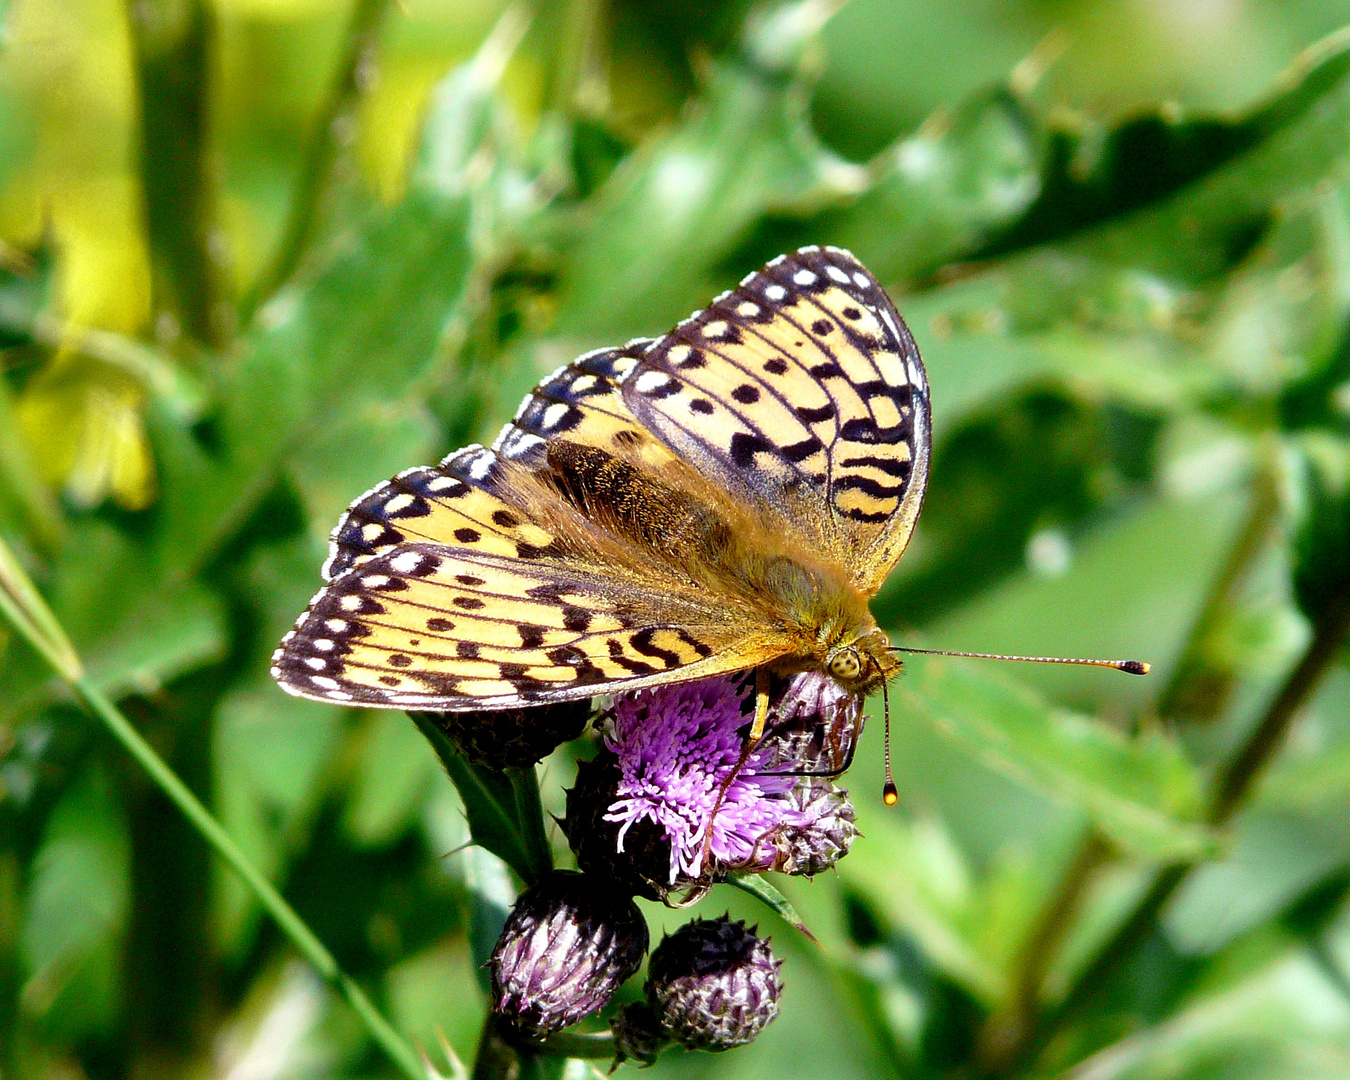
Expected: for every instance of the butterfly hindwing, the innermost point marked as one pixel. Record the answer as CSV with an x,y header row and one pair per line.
x,y
463,501
581,403
436,628
801,390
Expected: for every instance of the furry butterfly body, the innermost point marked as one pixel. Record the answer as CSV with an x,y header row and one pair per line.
x,y
729,496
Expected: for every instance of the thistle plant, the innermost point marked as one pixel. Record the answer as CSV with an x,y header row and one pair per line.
x,y
674,801
255,258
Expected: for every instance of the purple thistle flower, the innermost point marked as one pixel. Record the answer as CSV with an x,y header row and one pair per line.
x,y
675,748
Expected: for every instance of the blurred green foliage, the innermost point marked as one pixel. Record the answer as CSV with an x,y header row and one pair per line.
x,y
256,255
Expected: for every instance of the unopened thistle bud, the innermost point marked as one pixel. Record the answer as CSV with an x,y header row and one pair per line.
x,y
567,945
807,849
713,984
637,1034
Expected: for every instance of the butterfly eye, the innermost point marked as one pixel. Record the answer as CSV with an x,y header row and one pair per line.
x,y
845,664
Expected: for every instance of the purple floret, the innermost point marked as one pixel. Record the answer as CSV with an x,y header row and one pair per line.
x,y
676,746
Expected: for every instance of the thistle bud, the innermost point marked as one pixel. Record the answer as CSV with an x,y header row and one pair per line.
x,y
824,839
513,738
713,984
567,945
594,839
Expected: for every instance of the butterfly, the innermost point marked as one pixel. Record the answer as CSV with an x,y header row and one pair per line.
x,y
727,497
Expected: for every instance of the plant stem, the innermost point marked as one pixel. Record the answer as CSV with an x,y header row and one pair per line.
x,y
1234,785
173,41
1007,1030
574,59
332,134
300,935
592,1045
1196,692
497,1059
1199,689
24,607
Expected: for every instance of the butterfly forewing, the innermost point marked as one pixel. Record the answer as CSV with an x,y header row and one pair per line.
x,y
433,627
801,390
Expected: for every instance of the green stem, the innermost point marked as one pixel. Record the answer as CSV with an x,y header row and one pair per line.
x,y
576,39
592,1045
1230,792
1006,1031
301,936
497,1059
24,607
1197,692
335,119
173,42
1200,688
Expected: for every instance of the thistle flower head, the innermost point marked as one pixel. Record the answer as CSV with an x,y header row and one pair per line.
x,y
677,746
713,984
672,752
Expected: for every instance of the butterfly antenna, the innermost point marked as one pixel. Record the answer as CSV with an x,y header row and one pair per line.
x,y
889,795
1130,667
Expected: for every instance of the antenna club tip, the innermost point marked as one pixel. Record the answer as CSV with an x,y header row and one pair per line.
x,y
1136,667
889,795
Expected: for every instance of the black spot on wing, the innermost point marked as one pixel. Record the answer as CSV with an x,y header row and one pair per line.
x,y
745,445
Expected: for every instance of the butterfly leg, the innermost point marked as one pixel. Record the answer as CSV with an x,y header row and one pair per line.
x,y
761,710
751,741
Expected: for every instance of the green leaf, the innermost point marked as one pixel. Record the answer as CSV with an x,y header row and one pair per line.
x,y
1301,135
24,499
1283,1021
492,894
1291,839
916,877
388,291
133,630
76,911
1142,791
945,191
364,442
1281,315
503,808
435,994
1094,176
673,210
762,889
1131,591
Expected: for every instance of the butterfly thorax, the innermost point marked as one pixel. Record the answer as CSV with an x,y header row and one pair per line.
x,y
669,519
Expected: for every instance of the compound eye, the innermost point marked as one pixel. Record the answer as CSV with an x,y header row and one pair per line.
x,y
845,665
